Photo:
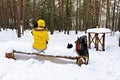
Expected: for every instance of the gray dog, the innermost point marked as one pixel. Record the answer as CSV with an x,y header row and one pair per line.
x,y
33,23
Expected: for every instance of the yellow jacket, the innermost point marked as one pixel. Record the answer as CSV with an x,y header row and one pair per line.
x,y
41,37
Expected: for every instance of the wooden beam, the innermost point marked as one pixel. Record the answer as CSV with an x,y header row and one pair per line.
x,y
79,59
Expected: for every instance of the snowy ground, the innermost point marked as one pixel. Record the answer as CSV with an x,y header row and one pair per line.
x,y
102,65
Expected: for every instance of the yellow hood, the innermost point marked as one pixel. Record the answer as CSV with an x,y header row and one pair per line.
x,y
41,23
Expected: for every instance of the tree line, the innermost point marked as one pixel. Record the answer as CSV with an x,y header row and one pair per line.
x,y
62,15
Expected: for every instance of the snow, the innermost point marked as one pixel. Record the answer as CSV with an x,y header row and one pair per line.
x,y
103,65
99,30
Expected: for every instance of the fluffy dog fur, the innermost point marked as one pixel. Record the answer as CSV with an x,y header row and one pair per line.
x,y
82,48
33,23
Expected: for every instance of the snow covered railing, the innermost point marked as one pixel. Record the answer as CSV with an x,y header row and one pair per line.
x,y
99,30
79,59
93,37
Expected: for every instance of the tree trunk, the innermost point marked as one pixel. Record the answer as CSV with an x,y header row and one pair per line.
x,y
59,22
108,14
117,16
77,17
63,14
87,15
15,14
0,14
97,11
11,13
84,16
52,10
69,16
113,17
18,18
23,15
119,39
80,13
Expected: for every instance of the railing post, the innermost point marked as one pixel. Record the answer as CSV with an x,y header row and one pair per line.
x,y
89,41
103,46
96,41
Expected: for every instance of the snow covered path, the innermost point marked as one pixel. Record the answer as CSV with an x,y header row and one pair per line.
x,y
102,65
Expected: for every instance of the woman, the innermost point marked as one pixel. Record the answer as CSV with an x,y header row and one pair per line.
x,y
41,36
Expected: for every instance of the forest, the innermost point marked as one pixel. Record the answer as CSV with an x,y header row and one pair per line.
x,y
82,41
62,15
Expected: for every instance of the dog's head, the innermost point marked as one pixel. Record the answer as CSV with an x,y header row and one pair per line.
x,y
33,23
83,39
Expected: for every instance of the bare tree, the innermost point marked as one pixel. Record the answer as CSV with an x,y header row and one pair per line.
x,y
87,15
119,39
23,5
108,14
18,18
113,17
52,10
3,6
117,15
63,13
119,23
77,17
97,12
0,14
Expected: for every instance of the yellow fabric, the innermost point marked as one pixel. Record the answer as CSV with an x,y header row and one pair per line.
x,y
41,37
41,23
